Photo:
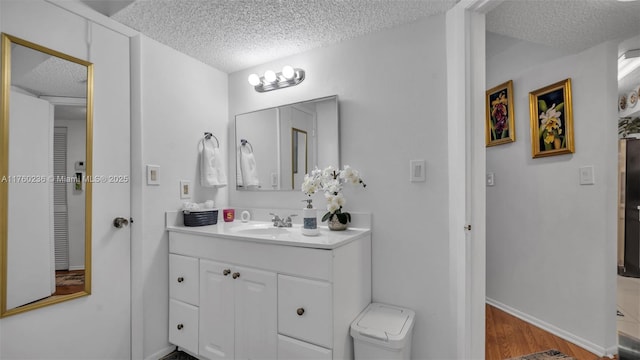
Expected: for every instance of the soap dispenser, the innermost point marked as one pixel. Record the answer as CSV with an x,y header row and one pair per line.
x,y
310,220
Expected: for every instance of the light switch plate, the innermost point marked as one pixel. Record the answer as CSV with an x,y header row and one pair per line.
x,y
587,176
185,189
490,179
153,175
418,170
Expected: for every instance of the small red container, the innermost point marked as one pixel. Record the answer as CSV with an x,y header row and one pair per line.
x,y
228,215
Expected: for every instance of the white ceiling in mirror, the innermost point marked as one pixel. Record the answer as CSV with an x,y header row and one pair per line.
x,y
45,75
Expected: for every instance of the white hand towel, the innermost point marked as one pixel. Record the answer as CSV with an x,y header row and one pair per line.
x,y
248,168
212,172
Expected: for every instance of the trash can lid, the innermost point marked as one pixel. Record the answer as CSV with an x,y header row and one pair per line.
x,y
385,325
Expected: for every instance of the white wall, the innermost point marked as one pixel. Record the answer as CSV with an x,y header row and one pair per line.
x,y
392,91
550,241
176,100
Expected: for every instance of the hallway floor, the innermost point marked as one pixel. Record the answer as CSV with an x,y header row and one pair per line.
x,y
629,305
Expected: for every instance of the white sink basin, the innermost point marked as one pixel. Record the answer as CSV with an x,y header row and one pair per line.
x,y
258,229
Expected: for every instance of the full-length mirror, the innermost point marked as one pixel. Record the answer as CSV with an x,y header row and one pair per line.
x,y
45,176
276,147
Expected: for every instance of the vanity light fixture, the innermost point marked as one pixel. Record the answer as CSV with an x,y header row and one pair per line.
x,y
273,81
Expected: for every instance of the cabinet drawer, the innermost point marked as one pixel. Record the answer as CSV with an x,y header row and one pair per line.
x,y
183,325
292,349
183,278
305,310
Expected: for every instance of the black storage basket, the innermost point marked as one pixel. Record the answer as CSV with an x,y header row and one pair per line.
x,y
200,218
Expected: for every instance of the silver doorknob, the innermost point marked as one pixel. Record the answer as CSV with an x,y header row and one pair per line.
x,y
120,222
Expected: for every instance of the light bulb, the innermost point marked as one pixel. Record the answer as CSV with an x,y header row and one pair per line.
x,y
288,72
254,79
270,76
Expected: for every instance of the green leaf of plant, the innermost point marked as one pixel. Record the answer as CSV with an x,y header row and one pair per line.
x,y
326,216
542,105
342,218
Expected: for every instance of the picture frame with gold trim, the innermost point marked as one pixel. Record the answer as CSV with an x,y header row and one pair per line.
x,y
500,127
551,117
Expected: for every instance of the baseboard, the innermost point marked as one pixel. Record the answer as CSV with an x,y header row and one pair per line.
x,y
162,353
72,268
585,344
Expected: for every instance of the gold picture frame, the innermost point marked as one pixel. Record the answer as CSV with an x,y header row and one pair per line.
x,y
500,127
551,113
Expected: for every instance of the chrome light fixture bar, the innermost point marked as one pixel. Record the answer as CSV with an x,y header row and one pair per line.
x,y
274,81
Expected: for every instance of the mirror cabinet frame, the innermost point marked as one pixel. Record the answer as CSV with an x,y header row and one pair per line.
x,y
7,42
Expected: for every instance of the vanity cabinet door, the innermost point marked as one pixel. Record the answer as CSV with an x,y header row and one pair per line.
x,y
256,314
217,321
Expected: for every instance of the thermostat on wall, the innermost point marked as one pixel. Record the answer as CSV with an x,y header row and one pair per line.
x,y
80,165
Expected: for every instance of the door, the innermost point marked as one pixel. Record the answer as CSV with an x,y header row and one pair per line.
x,y
465,35
256,313
631,213
98,325
30,267
216,339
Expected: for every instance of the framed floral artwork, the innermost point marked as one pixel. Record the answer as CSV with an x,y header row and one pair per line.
x,y
500,127
551,120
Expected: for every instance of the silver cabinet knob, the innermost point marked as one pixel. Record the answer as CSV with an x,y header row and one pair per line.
x,y
226,272
180,279
180,326
120,222
300,311
235,275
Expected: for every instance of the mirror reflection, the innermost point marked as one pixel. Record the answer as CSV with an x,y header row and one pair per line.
x,y
46,195
298,157
276,147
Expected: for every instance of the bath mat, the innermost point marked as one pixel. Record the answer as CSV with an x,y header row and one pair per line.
x,y
178,355
544,355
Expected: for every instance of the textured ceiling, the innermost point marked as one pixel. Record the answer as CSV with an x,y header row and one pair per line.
x,y
573,25
234,35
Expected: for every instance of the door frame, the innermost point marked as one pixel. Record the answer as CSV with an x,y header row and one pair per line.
x,y
465,39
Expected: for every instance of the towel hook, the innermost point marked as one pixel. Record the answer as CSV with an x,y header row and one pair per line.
x,y
208,135
246,142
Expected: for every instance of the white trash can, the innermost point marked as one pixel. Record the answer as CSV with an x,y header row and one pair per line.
x,y
383,332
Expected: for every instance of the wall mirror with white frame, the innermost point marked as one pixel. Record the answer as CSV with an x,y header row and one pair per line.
x,y
45,172
276,147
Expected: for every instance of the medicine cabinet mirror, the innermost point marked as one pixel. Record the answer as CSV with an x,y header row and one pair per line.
x,y
276,147
45,163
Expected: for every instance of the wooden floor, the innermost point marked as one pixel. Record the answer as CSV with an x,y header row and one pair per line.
x,y
508,336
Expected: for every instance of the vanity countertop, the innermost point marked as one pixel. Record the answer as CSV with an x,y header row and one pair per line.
x,y
265,232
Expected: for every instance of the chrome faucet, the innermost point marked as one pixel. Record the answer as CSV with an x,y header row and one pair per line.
x,y
281,222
